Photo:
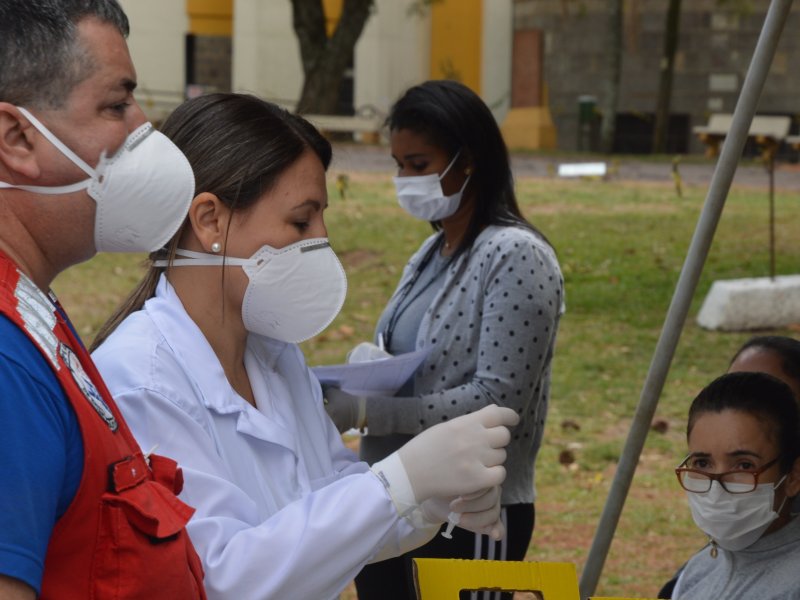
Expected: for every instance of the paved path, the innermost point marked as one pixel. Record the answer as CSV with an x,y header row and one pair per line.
x,y
376,159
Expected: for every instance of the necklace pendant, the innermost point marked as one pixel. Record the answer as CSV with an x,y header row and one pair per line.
x,y
714,550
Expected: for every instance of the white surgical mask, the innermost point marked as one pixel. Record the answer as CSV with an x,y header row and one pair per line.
x,y
143,191
422,196
294,292
734,521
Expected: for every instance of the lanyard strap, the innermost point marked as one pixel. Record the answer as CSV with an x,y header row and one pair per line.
x,y
398,307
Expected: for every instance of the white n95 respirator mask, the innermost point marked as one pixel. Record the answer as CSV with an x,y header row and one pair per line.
x,y
422,196
143,191
294,292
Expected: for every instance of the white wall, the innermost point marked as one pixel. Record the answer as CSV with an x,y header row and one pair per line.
x,y
392,54
157,46
497,47
266,54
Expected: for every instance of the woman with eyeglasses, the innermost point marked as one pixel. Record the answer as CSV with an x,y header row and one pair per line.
x,y
741,473
775,355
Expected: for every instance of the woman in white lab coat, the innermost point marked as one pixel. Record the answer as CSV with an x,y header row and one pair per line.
x,y
204,364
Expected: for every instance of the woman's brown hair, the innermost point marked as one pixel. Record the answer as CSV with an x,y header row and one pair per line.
x,y
238,146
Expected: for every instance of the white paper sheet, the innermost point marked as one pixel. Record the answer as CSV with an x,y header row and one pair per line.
x,y
383,376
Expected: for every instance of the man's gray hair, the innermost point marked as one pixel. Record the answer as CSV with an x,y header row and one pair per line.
x,y
41,57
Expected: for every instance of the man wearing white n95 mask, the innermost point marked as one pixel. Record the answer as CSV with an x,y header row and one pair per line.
x,y
82,510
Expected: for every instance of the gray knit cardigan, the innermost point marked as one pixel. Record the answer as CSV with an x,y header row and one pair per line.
x,y
491,330
767,570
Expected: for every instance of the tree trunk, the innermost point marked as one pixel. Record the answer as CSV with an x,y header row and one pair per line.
x,y
611,97
325,59
667,68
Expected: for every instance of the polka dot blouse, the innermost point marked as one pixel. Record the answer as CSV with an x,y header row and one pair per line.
x,y
491,329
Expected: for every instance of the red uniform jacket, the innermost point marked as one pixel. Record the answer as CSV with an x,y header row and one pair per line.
x,y
123,536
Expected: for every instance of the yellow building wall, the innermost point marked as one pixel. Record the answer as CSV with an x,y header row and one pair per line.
x,y
456,39
530,127
210,17
333,12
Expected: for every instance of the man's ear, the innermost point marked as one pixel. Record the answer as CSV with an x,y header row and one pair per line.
x,y
209,219
17,137
793,480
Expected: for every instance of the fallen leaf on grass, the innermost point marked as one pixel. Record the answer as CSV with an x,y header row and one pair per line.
x,y
660,425
570,425
566,457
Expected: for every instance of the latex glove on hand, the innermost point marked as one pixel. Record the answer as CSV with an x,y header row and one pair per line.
x,y
366,352
460,457
479,513
347,411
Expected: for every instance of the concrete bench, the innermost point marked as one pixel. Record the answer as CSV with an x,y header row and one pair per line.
x,y
754,303
589,169
751,304
766,130
364,128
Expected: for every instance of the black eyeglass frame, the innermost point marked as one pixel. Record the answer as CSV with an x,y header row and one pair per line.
x,y
711,477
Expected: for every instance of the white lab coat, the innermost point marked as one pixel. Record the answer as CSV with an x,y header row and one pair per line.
x,y
284,510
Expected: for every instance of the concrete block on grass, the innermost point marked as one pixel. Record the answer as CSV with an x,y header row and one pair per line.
x,y
753,303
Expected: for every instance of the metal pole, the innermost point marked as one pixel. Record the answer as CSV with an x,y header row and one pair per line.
x,y
771,167
687,282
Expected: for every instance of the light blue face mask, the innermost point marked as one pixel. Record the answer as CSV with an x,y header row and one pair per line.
x,y
735,521
422,196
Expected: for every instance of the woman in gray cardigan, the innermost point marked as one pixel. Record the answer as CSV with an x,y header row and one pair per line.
x,y
483,294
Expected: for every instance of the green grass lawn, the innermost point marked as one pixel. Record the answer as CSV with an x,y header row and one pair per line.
x,y
621,247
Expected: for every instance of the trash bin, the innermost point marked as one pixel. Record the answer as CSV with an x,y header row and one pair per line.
x,y
586,106
586,120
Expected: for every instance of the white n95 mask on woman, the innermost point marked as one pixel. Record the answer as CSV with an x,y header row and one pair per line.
x,y
294,292
143,191
422,196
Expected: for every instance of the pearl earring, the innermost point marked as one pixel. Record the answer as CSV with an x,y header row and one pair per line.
x,y
216,247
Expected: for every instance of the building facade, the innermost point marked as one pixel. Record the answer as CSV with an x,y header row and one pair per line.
x,y
715,45
533,61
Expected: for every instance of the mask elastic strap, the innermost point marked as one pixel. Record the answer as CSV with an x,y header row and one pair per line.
x,y
780,508
777,485
466,181
79,162
52,191
200,259
450,166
